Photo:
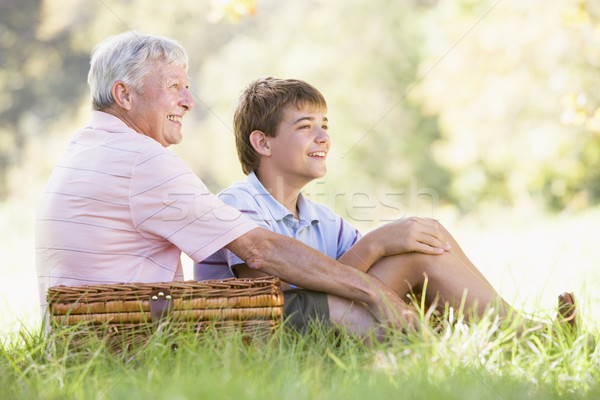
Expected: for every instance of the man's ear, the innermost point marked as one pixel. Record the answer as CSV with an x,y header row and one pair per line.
x,y
259,141
122,94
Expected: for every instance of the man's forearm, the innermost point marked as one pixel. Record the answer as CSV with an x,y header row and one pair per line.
x,y
363,254
296,263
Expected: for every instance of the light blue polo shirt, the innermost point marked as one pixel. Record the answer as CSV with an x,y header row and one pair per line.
x,y
317,226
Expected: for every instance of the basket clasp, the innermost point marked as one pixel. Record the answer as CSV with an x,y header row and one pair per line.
x,y
161,304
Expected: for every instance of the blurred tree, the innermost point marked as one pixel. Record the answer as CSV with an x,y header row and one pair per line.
x,y
386,140
581,104
44,57
500,95
235,10
480,101
41,77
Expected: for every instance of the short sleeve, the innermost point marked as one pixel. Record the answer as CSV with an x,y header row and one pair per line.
x,y
220,263
348,235
168,201
214,267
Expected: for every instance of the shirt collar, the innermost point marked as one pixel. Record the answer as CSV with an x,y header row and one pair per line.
x,y
307,211
107,122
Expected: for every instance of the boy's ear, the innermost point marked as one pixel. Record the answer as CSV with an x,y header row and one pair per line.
x,y
122,94
259,141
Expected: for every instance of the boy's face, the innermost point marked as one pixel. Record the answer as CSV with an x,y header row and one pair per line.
x,y
299,149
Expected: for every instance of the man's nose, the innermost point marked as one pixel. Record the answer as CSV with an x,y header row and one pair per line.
x,y
187,100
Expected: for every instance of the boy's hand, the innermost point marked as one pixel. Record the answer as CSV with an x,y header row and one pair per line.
x,y
413,234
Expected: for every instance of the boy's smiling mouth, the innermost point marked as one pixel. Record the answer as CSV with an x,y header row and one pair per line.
x,y
317,154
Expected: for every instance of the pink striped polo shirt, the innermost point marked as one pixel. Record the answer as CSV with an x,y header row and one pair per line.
x,y
119,207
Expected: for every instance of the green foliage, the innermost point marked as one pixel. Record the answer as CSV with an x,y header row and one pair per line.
x,y
479,102
510,98
41,79
383,138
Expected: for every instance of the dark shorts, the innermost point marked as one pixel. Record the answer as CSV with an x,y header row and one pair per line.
x,y
301,306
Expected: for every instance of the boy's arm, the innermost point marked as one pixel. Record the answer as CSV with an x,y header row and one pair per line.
x,y
412,234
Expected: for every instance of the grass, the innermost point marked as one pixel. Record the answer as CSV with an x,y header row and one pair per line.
x,y
461,361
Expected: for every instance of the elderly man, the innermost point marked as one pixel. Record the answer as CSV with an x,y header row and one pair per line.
x,y
120,207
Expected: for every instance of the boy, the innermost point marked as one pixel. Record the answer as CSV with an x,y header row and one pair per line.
x,y
282,142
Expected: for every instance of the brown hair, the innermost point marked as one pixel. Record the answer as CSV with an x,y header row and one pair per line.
x,y
260,107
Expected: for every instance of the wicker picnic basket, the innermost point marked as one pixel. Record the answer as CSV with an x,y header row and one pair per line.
x,y
254,306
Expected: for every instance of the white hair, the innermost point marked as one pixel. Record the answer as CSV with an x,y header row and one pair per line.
x,y
125,57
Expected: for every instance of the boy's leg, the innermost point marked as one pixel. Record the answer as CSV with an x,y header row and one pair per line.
x,y
303,307
460,254
449,277
353,317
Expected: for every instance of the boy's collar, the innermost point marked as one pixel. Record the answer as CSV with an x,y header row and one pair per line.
x,y
306,209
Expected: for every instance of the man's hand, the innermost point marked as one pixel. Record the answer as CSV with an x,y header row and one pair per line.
x,y
391,310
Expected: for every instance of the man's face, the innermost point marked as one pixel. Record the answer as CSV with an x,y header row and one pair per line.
x,y
299,149
165,97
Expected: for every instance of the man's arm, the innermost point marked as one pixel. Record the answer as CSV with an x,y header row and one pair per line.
x,y
412,234
296,263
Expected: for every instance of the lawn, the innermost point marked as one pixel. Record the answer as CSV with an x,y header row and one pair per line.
x,y
460,361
